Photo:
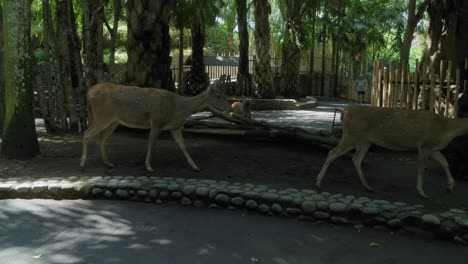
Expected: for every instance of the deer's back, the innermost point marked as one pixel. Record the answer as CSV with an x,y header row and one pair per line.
x,y
131,106
392,128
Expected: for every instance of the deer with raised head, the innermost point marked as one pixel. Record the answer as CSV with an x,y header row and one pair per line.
x,y
241,109
159,110
405,130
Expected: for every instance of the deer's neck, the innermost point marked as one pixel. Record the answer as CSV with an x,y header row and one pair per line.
x,y
195,104
459,126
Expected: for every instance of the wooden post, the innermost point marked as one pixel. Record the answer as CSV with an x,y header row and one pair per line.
x,y
408,89
416,85
457,93
397,89
374,84
402,85
379,87
432,90
449,81
385,88
388,95
423,87
441,85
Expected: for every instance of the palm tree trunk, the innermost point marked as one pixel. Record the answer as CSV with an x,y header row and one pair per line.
x,y
2,85
180,81
243,79
198,80
263,75
19,138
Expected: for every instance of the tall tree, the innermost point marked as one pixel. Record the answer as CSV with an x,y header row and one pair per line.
x,y
148,43
19,138
243,78
293,13
414,16
93,21
2,87
117,7
263,75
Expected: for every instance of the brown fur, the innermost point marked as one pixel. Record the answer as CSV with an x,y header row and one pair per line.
x,y
160,110
423,132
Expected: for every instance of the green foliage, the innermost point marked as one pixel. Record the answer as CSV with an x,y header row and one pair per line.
x,y
121,56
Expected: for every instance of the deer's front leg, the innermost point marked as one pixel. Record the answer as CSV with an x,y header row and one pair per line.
x,y
179,139
154,133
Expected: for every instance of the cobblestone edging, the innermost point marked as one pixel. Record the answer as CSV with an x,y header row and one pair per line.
x,y
290,202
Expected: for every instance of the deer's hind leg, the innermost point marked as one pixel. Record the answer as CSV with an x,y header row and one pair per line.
x,y
103,137
335,153
154,133
423,156
439,157
179,139
360,153
95,128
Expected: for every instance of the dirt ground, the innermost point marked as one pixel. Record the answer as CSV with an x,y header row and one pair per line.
x,y
277,164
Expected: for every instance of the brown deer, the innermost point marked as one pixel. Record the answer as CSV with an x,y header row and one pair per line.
x,y
241,109
159,110
405,130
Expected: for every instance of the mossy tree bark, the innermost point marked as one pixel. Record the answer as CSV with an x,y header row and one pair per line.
x,y
243,78
93,20
263,75
148,43
19,138
2,87
197,80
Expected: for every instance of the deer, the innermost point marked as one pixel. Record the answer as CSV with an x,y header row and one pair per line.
x,y
420,131
241,109
111,105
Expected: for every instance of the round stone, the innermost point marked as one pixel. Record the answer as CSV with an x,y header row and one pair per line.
x,y
321,215
286,199
176,195
310,192
277,208
173,187
463,223
153,193
142,193
263,208
222,198
185,201
371,210
23,187
121,193
270,197
202,191
251,204
163,193
447,215
325,194
316,197
394,223
344,200
293,211
336,196
308,207
251,195
381,202
298,201
108,194
188,189
389,207
430,219
456,211
237,201
96,191
322,205
199,203
123,184
39,187
338,208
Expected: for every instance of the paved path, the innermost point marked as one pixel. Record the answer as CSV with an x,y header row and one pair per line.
x,y
62,232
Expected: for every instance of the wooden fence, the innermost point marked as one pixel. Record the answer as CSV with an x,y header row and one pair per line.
x,y
432,88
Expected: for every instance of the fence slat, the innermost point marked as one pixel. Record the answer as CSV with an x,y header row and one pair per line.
x,y
432,88
457,94
441,81
408,89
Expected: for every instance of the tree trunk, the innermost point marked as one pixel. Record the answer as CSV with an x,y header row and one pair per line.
x,y
312,48
2,86
113,32
243,78
66,63
324,61
263,75
291,54
19,138
180,81
413,20
198,80
149,43
93,20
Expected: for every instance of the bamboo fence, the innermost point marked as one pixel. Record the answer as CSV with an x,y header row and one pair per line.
x,y
428,87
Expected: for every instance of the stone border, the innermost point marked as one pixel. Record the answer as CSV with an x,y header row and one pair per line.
x,y
290,202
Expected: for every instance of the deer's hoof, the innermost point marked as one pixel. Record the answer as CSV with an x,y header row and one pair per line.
x,y
82,168
149,170
370,189
196,169
109,164
317,185
423,195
